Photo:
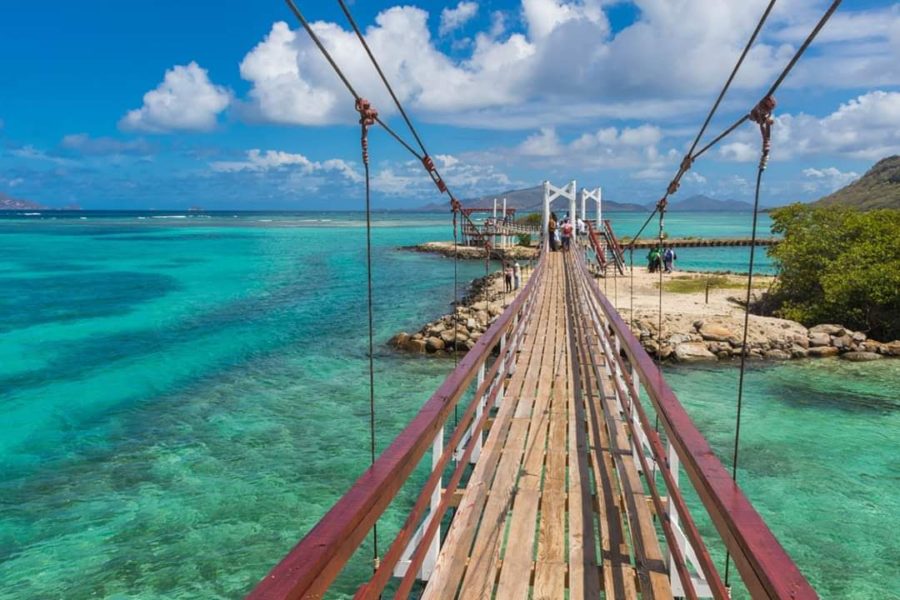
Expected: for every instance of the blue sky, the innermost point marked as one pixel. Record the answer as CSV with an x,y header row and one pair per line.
x,y
227,105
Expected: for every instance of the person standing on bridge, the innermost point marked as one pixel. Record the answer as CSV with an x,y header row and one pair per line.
x,y
567,234
508,277
581,227
551,232
517,275
669,259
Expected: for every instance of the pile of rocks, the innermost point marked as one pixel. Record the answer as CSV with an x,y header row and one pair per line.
x,y
475,252
773,339
461,329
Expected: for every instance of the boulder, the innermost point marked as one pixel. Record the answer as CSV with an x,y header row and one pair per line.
x,y
858,337
494,309
470,323
713,332
447,337
891,348
415,345
800,340
777,355
871,346
716,347
693,352
861,356
434,344
723,355
798,351
841,341
680,338
698,325
481,305
666,352
399,340
436,328
822,351
819,338
827,328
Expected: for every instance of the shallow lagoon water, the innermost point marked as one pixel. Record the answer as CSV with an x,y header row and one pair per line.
x,y
183,398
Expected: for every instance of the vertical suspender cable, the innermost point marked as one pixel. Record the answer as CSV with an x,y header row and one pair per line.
x,y
740,392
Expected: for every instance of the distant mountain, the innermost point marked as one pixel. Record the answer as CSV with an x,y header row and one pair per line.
x,y
10,203
701,203
529,200
878,188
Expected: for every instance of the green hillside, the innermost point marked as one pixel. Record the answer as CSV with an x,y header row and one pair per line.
x,y
878,188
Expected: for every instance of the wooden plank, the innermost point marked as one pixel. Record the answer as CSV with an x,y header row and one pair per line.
x,y
583,580
550,582
485,553
617,575
452,560
650,565
515,576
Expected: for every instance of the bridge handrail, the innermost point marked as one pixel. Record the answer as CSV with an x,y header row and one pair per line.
x,y
595,244
313,564
764,566
618,253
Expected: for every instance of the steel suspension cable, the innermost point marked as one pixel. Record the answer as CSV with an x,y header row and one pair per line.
x,y
734,71
425,158
690,157
762,114
377,66
371,312
340,73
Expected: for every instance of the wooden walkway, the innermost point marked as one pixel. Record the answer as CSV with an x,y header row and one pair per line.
x,y
555,506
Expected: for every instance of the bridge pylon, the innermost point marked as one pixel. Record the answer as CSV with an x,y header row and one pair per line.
x,y
551,193
596,195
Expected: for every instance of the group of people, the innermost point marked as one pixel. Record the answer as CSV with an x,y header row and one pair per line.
x,y
560,233
512,276
661,257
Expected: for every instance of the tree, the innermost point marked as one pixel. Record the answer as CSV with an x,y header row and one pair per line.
x,y
839,265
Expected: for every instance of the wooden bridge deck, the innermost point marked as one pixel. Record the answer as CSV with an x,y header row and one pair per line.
x,y
555,506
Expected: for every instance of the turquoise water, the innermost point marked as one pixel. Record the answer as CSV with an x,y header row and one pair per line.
x,y
183,398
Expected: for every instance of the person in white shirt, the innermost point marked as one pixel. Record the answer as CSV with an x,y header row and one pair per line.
x,y
517,275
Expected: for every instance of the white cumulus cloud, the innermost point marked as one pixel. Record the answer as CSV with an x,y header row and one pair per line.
x,y
828,179
257,160
185,100
563,63
865,127
454,18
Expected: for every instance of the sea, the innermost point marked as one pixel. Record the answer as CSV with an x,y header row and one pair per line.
x,y
183,395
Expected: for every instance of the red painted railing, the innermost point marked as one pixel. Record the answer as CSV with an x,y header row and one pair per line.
x,y
618,254
764,566
597,246
312,565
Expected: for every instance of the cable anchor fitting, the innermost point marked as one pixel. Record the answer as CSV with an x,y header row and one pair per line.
x,y
762,115
428,163
367,117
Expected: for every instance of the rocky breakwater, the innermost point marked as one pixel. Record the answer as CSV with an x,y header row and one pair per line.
x,y
767,338
475,252
459,330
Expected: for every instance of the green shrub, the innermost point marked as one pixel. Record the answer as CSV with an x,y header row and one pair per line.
x,y
837,265
524,239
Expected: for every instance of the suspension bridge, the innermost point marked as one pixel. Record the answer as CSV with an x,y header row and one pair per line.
x,y
555,453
